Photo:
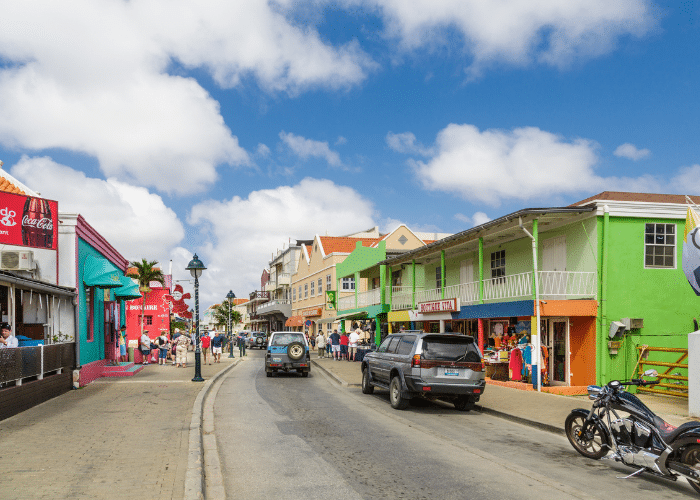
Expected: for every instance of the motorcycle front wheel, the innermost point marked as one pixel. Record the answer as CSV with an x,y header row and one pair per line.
x,y
591,445
691,456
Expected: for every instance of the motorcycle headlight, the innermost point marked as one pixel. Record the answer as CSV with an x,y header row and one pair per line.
x,y
594,392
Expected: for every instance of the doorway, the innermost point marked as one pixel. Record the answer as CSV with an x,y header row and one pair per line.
x,y
558,347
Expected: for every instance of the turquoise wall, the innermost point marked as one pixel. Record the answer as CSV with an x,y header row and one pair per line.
x,y
95,349
662,297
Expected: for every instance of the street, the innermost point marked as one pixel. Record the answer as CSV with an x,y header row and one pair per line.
x,y
289,436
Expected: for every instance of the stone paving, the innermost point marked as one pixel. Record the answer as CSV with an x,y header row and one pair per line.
x,y
115,438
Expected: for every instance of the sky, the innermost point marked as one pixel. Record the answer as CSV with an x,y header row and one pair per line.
x,y
230,129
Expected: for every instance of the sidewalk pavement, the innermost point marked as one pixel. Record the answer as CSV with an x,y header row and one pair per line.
x,y
115,438
538,409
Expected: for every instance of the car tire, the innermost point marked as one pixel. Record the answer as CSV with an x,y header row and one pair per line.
x,y
367,387
296,351
269,374
305,373
464,404
398,402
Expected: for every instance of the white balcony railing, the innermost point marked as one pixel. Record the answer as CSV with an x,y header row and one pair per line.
x,y
401,297
346,303
369,298
563,284
511,286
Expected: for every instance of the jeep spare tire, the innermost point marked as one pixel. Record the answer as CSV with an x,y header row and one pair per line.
x,y
295,351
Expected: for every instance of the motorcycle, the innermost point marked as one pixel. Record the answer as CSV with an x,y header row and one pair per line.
x,y
640,439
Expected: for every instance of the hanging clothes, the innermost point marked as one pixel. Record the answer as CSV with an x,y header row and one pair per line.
x,y
527,361
516,365
544,369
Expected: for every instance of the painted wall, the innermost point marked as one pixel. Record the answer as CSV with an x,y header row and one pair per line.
x,y
93,350
662,297
582,343
156,307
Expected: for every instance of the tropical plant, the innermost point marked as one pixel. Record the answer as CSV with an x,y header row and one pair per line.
x,y
220,314
145,272
184,327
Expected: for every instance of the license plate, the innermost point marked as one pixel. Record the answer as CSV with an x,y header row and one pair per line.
x,y
277,359
451,372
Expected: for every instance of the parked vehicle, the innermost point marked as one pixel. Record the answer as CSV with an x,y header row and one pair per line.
x,y
640,439
257,339
287,351
431,365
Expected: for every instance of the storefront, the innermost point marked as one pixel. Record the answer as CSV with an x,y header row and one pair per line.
x,y
310,316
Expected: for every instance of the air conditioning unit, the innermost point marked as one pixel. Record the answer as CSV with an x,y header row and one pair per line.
x,y
17,260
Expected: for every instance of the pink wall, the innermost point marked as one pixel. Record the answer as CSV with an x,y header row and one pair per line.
x,y
156,307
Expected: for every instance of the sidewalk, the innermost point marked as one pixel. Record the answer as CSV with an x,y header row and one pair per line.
x,y
115,438
538,409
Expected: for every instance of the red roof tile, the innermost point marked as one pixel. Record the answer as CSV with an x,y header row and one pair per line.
x,y
333,244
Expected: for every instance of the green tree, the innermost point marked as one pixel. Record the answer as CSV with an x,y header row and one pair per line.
x,y
145,273
220,314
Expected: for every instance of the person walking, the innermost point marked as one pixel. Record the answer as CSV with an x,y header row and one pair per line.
x,y
335,344
216,347
321,345
241,346
329,345
344,341
122,344
206,342
145,347
163,346
182,342
352,341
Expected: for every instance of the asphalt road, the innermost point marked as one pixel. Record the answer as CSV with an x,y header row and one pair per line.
x,y
291,437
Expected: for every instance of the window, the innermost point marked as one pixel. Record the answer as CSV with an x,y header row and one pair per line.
x,y
660,245
329,283
147,320
330,328
312,288
306,290
438,278
294,294
406,344
349,283
498,266
299,292
320,286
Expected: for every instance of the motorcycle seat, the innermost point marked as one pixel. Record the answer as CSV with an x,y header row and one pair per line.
x,y
670,432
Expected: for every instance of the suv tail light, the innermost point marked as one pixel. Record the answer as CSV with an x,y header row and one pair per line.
x,y
415,362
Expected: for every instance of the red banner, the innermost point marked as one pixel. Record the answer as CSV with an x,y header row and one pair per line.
x,y
28,221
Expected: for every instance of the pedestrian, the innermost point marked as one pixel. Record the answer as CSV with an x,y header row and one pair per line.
x,y
321,345
206,342
335,344
344,341
329,345
163,346
241,345
122,344
181,352
145,347
352,341
217,346
6,338
312,342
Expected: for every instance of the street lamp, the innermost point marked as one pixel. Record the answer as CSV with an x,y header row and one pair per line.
x,y
195,267
230,296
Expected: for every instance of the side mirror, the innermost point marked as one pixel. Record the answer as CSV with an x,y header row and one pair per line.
x,y
651,373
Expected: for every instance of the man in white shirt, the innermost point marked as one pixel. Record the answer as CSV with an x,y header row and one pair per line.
x,y
6,337
352,341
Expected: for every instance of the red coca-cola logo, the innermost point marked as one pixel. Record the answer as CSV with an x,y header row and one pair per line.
x,y
43,223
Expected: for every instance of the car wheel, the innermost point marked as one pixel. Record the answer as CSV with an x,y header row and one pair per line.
x,y
464,404
295,351
269,374
367,388
305,373
398,402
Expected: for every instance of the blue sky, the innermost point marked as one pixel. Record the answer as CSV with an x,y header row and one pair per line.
x,y
227,128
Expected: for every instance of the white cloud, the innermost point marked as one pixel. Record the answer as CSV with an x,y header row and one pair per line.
x,y
308,148
137,223
406,143
92,77
524,163
630,151
244,232
477,219
516,32
263,151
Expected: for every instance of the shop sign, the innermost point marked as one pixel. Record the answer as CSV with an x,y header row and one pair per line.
x,y
438,306
28,221
330,300
316,311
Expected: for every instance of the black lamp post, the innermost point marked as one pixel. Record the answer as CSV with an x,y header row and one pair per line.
x,y
230,296
195,267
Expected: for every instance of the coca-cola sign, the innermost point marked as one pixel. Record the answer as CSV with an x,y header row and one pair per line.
x,y
28,221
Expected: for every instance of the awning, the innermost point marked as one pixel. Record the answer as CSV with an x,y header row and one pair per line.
x,y
294,321
101,273
355,315
129,289
398,316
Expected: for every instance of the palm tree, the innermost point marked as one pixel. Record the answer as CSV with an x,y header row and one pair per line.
x,y
222,311
145,273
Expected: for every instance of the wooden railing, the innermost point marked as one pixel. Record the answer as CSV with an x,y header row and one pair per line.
x,y
21,363
679,383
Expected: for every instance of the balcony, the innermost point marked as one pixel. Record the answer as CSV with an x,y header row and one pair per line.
x,y
364,299
259,296
554,285
276,306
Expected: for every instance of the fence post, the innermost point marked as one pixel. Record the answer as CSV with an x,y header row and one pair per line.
x,y
694,374
41,363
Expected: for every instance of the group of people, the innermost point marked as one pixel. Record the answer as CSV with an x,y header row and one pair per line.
x,y
339,346
174,347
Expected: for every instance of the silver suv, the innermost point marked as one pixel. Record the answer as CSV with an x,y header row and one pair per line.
x,y
287,351
432,365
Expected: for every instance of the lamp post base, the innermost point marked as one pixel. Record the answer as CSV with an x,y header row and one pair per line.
x,y
197,367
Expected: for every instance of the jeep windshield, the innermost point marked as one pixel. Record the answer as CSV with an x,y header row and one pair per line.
x,y
287,338
452,348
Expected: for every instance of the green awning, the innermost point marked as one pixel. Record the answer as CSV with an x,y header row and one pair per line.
x,y
129,289
101,273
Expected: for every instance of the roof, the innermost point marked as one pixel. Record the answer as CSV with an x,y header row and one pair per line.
x,y
641,197
9,184
341,244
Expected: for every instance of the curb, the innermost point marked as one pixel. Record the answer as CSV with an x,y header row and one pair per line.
x,y
334,376
196,465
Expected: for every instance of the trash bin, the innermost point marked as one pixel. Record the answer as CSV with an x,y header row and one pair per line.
x,y
131,354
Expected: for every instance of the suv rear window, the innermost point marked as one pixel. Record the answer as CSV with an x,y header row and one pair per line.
x,y
406,344
287,338
451,349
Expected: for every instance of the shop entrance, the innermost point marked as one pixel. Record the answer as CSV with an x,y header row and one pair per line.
x,y
558,347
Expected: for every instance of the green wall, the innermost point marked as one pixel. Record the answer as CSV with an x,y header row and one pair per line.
x,y
94,350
